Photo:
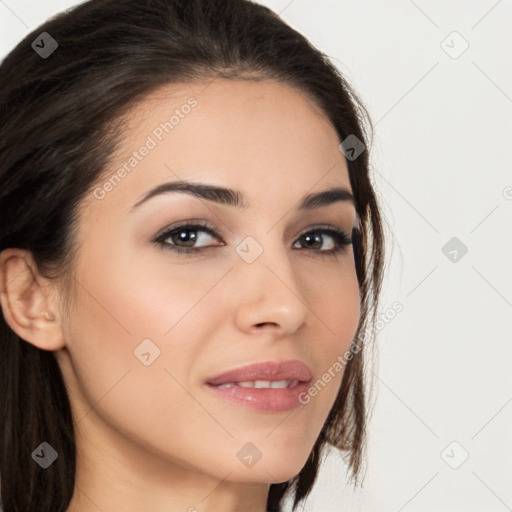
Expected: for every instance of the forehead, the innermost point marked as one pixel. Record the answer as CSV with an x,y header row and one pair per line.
x,y
265,138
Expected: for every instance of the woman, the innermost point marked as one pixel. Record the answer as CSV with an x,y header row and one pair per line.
x,y
191,261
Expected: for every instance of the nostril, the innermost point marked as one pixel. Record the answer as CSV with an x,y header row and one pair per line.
x,y
265,323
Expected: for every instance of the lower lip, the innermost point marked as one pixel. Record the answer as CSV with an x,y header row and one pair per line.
x,y
262,399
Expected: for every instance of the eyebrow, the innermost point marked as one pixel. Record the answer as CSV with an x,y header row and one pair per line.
x,y
235,198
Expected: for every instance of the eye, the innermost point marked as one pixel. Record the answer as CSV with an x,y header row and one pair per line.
x,y
183,239
316,238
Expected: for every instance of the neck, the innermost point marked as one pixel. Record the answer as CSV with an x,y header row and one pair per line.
x,y
114,475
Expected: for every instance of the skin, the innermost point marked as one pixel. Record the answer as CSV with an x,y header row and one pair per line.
x,y
151,437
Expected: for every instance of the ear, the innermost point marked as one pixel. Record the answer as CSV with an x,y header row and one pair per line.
x,y
29,307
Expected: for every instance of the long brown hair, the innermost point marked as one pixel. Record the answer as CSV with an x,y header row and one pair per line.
x,y
61,121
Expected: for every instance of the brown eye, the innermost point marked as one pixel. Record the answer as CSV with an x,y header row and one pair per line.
x,y
188,238
316,239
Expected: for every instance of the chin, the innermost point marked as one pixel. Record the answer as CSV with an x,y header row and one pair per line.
x,y
269,471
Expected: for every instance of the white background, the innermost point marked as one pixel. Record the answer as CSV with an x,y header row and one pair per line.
x,y
442,159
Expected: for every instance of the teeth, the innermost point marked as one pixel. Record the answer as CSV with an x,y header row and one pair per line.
x,y
262,384
247,384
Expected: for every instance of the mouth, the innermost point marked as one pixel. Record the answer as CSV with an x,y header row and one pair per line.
x,y
265,387
276,374
261,384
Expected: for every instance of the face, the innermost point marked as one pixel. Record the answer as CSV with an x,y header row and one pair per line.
x,y
263,282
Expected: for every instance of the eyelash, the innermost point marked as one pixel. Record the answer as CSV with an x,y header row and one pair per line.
x,y
340,238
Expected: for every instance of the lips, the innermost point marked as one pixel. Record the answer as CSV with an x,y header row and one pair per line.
x,y
271,371
270,387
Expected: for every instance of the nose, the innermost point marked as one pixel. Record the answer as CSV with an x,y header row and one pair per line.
x,y
270,294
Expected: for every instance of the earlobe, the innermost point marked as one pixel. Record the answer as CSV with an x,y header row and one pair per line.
x,y
25,301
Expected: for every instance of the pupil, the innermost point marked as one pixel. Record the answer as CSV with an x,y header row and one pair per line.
x,y
314,238
187,238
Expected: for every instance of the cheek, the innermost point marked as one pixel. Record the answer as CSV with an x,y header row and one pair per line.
x,y
128,310
112,382
148,295
334,299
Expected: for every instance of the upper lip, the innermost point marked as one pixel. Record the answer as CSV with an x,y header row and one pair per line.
x,y
269,371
